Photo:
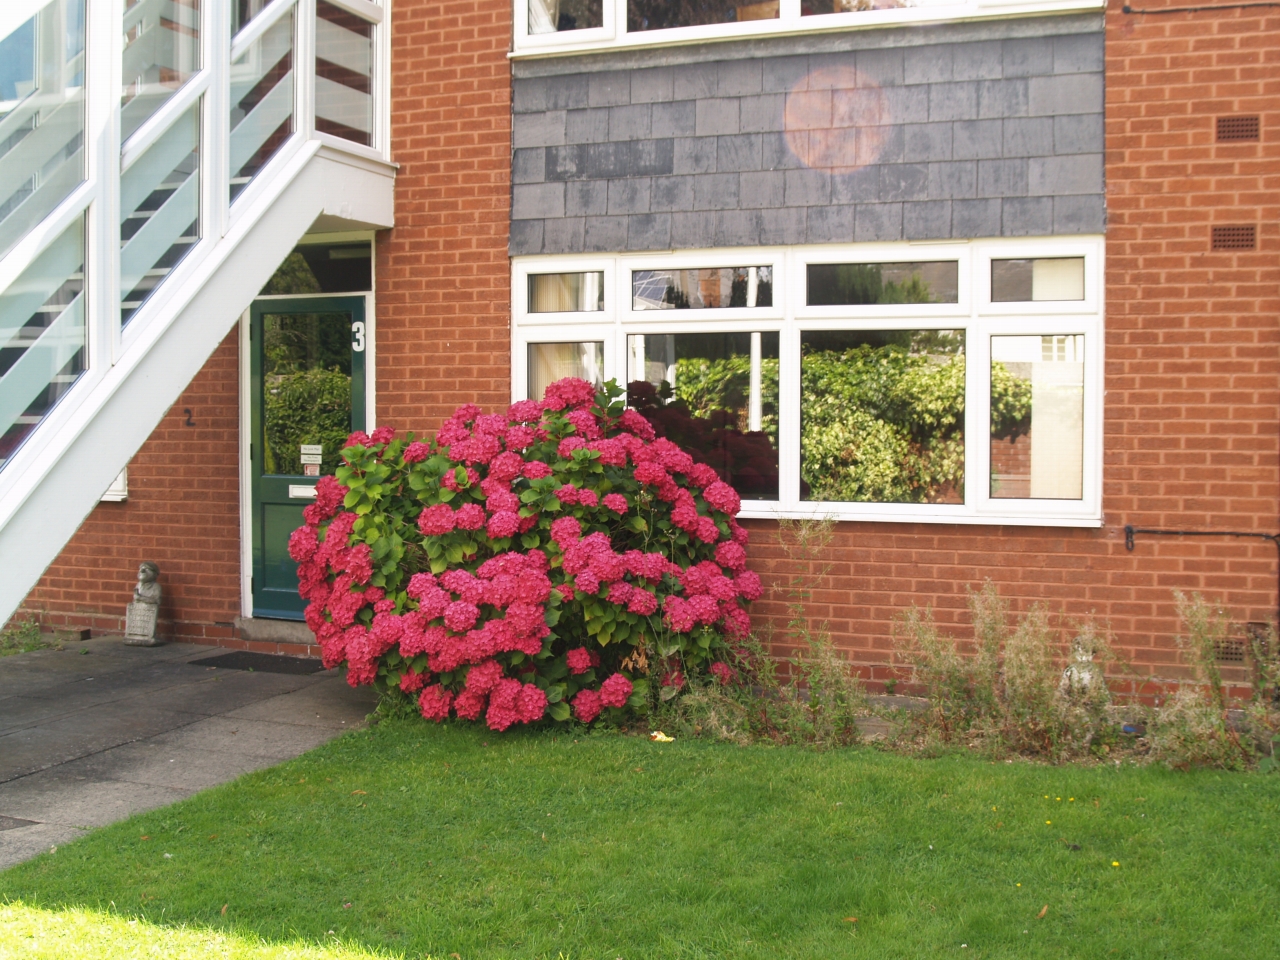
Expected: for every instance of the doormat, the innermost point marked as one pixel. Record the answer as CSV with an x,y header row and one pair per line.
x,y
261,663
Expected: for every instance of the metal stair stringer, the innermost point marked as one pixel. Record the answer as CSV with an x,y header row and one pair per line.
x,y
41,509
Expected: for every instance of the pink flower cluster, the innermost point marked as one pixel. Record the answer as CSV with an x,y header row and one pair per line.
x,y
473,640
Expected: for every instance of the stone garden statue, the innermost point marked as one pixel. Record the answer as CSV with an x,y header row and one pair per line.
x,y
1083,676
144,611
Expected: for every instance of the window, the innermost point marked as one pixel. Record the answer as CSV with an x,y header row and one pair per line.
x,y
543,25
261,102
566,292
864,382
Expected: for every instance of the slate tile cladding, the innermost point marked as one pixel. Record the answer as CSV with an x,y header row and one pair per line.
x,y
988,129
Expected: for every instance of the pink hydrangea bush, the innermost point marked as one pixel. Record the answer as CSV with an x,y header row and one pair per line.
x,y
558,560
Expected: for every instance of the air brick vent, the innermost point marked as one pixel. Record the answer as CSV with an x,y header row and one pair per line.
x,y
1229,651
1237,128
1235,237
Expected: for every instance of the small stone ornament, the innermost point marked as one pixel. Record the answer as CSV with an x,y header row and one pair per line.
x,y
142,614
1083,676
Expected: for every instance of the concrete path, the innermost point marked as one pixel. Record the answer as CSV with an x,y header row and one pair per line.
x,y
99,731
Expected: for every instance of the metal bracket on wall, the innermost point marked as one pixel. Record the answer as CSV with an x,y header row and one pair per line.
x,y
1130,531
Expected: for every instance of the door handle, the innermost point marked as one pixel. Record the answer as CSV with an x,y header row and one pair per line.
x,y
300,491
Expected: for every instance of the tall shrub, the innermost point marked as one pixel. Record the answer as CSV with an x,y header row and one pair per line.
x,y
558,560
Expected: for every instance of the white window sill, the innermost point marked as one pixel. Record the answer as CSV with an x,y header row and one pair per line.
x,y
563,44
907,513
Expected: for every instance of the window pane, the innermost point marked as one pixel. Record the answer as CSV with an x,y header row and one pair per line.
x,y
1037,417
344,74
161,50
858,284
324,268
1057,278
41,117
552,16
715,394
566,292
242,11
810,8
702,289
549,362
261,102
306,382
882,416
42,337
661,14
160,209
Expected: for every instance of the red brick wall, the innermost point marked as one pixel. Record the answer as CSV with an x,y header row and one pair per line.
x,y
1192,377
443,277
183,512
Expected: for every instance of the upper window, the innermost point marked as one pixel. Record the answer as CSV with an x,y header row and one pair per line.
x,y
584,24
860,382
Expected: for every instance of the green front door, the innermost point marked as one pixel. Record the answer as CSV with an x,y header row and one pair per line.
x,y
308,388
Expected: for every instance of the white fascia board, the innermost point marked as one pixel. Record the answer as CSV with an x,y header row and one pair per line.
x,y
69,467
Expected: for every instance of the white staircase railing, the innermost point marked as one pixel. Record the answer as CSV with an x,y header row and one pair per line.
x,y
158,159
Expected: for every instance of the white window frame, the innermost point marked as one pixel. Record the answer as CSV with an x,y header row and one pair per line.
x,y
790,316
789,21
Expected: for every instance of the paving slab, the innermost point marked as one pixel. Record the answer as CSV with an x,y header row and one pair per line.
x,y
88,738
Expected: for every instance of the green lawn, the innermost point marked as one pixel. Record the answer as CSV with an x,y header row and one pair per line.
x,y
417,840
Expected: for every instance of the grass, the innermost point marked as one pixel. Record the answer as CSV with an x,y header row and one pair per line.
x,y
414,840
23,637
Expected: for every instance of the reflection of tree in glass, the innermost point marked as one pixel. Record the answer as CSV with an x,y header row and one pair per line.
x,y
307,387
676,297
293,277
708,386
311,407
886,423
863,283
661,14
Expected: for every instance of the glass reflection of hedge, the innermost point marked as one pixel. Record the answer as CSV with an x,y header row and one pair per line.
x,y
310,406
886,423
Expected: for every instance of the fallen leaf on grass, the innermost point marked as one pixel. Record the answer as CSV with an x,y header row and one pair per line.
x,y
224,908
1043,911
850,919
659,737
360,792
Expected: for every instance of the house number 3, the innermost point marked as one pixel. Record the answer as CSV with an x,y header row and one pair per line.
x,y
357,337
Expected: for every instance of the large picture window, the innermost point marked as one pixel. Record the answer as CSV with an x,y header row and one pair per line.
x,y
861,382
584,24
